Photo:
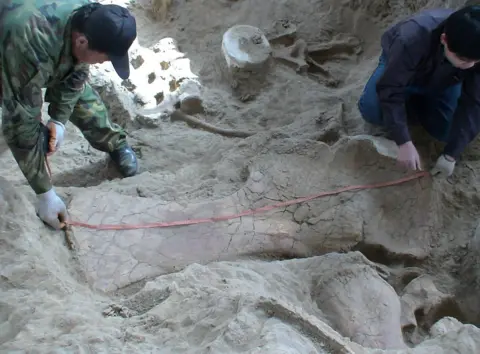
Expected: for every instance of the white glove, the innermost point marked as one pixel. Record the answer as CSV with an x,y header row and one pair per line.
x,y
57,133
51,209
443,168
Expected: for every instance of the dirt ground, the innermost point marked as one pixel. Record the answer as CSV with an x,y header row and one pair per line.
x,y
384,270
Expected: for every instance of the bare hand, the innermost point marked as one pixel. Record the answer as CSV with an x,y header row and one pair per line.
x,y
408,156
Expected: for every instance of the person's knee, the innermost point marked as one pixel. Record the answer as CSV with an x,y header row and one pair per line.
x,y
370,110
439,113
447,104
369,104
454,95
89,107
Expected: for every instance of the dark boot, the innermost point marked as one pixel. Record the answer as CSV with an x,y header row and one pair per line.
x,y
126,160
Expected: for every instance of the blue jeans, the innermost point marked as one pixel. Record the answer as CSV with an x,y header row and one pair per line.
x,y
433,111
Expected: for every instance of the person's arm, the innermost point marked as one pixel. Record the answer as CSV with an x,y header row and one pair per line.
x,y
64,95
25,64
466,120
401,65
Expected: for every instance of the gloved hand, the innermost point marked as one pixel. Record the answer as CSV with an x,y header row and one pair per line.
x,y
444,167
408,156
51,209
57,133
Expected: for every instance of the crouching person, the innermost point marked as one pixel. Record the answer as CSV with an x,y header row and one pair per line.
x,y
50,44
427,73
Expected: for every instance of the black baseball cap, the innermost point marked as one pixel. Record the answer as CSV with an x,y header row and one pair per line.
x,y
111,29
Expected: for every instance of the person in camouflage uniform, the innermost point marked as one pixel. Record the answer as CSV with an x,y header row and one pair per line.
x,y
50,44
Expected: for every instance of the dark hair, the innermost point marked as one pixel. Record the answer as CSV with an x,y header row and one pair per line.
x,y
79,19
462,29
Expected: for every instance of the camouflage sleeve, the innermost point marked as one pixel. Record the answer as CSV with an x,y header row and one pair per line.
x,y
64,96
24,62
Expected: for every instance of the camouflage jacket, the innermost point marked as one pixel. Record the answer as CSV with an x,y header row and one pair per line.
x,y
35,51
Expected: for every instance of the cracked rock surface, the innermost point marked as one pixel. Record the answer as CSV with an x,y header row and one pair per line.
x,y
115,259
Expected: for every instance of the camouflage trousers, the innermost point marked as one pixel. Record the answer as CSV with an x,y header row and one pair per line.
x,y
90,116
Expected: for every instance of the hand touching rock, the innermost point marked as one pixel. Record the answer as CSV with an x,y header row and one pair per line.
x,y
51,209
408,156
